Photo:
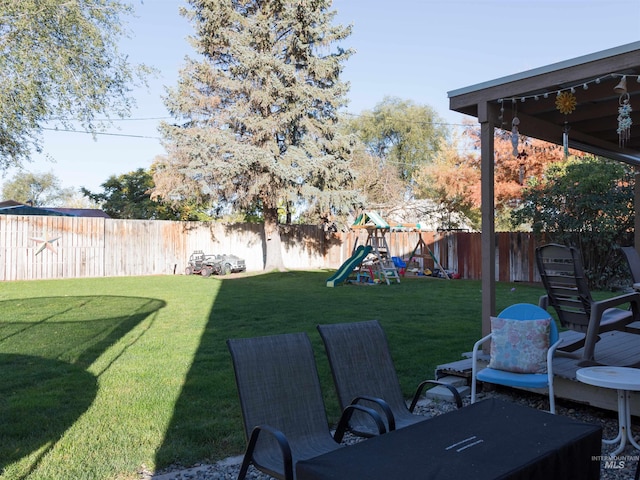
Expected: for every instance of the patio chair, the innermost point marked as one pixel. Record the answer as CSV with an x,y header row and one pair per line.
x,y
363,373
563,277
524,339
633,260
282,406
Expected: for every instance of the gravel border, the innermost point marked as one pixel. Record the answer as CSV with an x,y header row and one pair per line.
x,y
623,467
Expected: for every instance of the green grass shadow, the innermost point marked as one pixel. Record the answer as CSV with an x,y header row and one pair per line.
x,y
46,346
39,399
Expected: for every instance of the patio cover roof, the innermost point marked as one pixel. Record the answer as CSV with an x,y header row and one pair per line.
x,y
531,96
593,123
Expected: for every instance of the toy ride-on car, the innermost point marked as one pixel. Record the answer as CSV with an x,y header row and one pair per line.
x,y
205,265
199,263
226,264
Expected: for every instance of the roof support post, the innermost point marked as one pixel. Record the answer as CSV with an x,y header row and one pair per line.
x,y
487,116
636,203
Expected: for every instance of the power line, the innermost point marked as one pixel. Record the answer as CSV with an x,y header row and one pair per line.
x,y
465,125
102,133
133,119
128,119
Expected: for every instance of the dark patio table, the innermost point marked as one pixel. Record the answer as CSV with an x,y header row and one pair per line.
x,y
491,439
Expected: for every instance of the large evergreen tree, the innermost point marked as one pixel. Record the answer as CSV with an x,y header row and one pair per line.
x,y
259,111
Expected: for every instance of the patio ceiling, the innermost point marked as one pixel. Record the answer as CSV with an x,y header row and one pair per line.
x,y
593,123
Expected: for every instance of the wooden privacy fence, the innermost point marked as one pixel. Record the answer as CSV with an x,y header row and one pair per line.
x,y
48,247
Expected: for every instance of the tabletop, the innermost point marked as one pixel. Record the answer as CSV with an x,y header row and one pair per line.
x,y
491,439
620,378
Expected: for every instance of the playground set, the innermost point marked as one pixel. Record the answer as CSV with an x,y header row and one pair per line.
x,y
372,263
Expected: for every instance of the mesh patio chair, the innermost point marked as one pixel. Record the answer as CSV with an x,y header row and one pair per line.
x,y
563,277
364,373
535,367
282,406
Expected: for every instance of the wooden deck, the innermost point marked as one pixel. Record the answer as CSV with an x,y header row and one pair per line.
x,y
614,348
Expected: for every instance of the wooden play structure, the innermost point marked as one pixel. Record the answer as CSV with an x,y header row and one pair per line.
x,y
422,252
382,264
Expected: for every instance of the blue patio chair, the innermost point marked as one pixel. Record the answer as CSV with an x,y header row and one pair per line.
x,y
521,329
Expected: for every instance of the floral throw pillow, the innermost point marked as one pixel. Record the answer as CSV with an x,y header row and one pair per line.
x,y
519,346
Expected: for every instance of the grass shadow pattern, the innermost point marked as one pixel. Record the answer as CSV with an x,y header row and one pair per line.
x,y
46,346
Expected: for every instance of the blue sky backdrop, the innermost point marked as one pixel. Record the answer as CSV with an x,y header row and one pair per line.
x,y
412,49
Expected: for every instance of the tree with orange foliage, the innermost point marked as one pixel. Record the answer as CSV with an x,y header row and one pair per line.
x,y
453,180
513,172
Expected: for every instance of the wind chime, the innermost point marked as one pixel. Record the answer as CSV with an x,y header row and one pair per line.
x,y
515,134
624,112
566,103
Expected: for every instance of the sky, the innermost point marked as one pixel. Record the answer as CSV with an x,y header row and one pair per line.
x,y
415,50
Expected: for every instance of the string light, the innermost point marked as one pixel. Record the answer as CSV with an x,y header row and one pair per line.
x,y
572,89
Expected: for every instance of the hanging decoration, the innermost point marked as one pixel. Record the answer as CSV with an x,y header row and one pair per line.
x,y
515,135
565,139
624,119
566,102
584,85
624,112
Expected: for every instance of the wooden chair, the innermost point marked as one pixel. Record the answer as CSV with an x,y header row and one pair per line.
x,y
633,260
282,406
363,373
562,274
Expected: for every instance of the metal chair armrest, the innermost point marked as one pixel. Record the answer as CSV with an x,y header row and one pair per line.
x,y
423,384
346,416
550,353
391,419
474,365
476,346
283,443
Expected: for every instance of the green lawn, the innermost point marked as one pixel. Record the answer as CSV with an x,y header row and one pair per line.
x,y
101,377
